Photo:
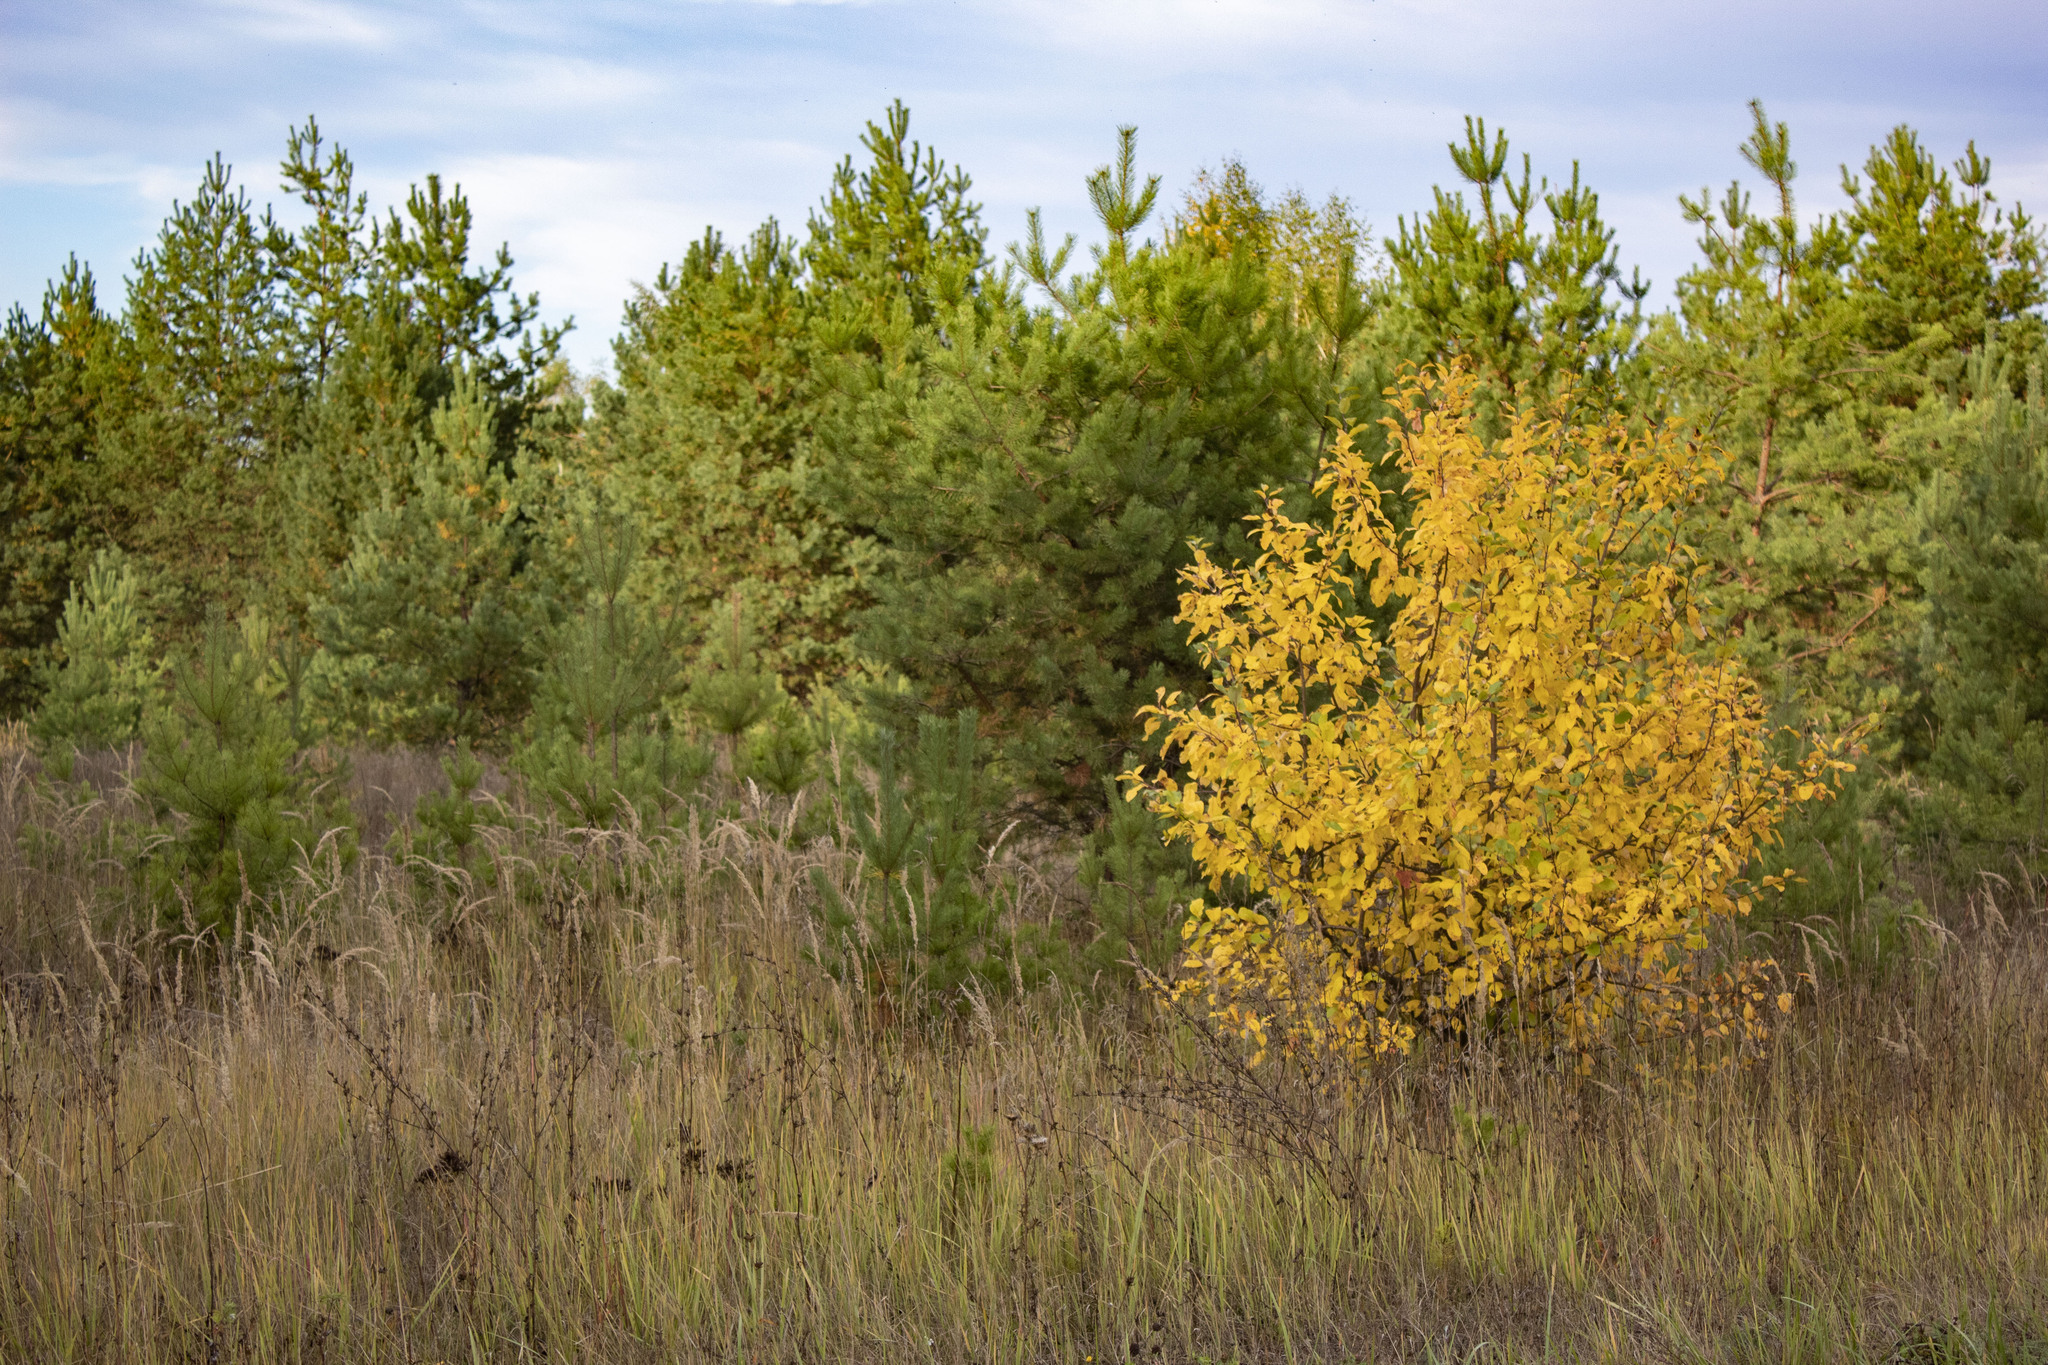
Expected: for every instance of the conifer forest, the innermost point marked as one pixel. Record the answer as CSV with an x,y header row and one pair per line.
x,y
1217,784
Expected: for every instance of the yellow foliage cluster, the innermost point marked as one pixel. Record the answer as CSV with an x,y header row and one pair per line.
x,y
1524,800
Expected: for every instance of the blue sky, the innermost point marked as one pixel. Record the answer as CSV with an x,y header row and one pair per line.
x,y
599,138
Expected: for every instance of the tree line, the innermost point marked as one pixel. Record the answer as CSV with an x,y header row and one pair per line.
x,y
875,468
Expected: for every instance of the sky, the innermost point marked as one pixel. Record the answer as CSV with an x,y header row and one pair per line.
x,y
599,138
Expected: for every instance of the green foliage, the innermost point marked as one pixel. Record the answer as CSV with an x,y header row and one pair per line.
x,y
223,430
1139,887
106,671
1984,643
359,440
781,753
732,692
53,374
1937,266
921,926
1810,353
1533,312
208,323
602,744
323,268
449,822
220,763
382,315
1034,477
1316,279
426,252
710,434
1840,851
895,236
431,629
1765,317
878,465
186,462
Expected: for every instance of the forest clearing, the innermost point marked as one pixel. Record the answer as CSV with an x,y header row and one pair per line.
x,y
1272,793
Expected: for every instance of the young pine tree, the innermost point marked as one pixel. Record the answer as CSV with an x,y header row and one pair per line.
x,y
222,766
920,928
1984,637
450,822
104,675
1938,267
602,741
1139,887
1808,351
733,691
1033,477
433,626
889,234
382,314
56,378
188,468
710,432
1533,312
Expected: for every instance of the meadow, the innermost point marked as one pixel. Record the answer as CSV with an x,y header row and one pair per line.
x,y
595,1097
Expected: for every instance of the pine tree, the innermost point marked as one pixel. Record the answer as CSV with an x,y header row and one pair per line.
x,y
780,754
1936,268
1139,888
221,764
432,628
1984,638
323,269
710,434
450,822
186,471
1795,349
210,324
359,439
104,675
1533,312
921,928
732,691
1034,477
384,313
1318,286
264,389
55,383
602,741
469,316
888,234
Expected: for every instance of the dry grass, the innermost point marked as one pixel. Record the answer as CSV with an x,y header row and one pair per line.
x,y
408,1122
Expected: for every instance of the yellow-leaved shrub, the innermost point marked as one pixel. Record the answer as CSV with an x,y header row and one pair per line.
x,y
1525,800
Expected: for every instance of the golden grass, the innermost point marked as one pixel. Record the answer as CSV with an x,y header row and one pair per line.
x,y
395,1122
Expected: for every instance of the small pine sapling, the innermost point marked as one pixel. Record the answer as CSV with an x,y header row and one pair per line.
x,y
734,693
221,765
1984,647
780,755
107,672
924,928
602,744
1140,888
431,629
449,821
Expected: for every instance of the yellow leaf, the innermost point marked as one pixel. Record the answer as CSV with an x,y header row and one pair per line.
x,y
1520,778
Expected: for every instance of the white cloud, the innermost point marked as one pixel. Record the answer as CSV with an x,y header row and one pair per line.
x,y
305,22
599,137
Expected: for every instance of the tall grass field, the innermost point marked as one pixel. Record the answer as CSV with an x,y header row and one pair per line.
x,y
597,1096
